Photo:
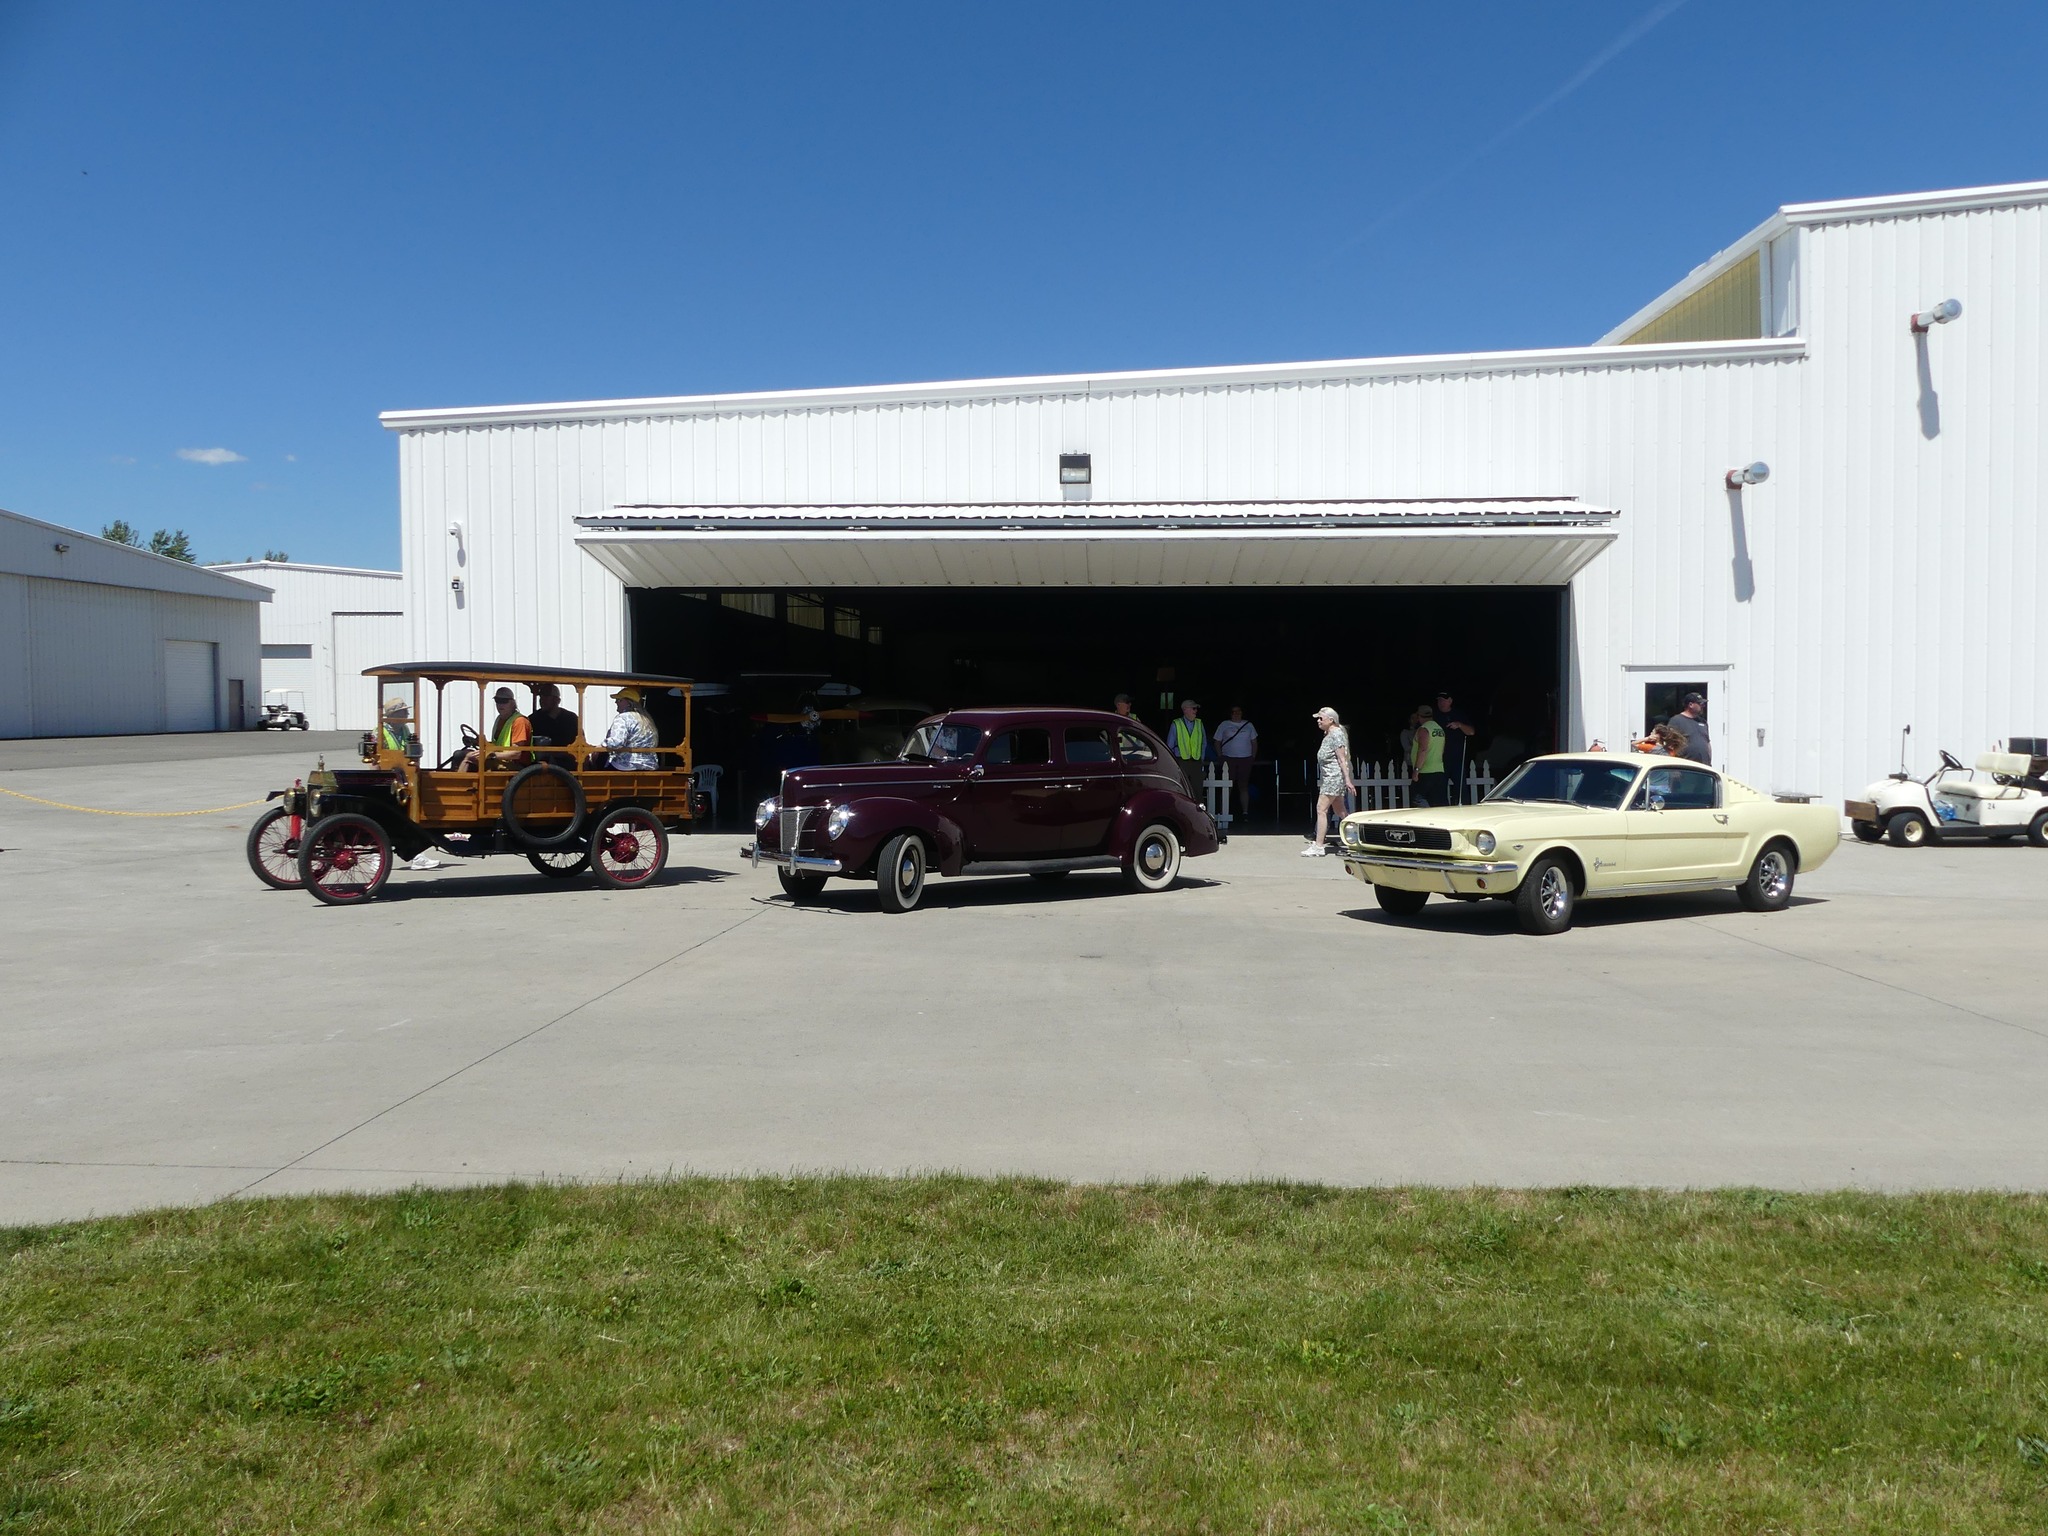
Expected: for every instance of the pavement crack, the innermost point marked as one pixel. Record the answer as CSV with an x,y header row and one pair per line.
x,y
495,1051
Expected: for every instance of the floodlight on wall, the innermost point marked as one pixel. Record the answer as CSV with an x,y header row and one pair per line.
x,y
455,586
1941,314
1077,469
1749,474
62,549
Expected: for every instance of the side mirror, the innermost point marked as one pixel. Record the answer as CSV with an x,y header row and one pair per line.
x,y
1656,802
975,772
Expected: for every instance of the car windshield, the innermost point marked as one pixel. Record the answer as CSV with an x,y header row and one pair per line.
x,y
943,741
1600,783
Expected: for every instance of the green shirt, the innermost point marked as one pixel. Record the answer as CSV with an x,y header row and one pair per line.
x,y
1429,747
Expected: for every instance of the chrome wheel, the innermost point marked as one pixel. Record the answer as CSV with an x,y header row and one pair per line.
x,y
1769,886
1546,897
1774,873
1554,893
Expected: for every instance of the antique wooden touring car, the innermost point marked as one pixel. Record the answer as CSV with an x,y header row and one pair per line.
x,y
528,783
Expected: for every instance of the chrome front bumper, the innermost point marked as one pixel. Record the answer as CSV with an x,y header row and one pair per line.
x,y
1450,877
799,863
1442,866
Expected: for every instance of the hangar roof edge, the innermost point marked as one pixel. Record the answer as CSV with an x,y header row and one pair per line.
x,y
1539,359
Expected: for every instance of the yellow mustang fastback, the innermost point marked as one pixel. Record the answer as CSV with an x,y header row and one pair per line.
x,y
1578,826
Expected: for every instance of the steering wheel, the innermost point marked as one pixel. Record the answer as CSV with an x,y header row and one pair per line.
x,y
1949,762
468,746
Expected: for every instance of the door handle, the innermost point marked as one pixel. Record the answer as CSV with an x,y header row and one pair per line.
x,y
1721,817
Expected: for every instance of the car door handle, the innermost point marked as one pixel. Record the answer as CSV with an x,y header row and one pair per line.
x,y
1721,817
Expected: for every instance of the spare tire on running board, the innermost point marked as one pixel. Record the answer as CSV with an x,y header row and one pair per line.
x,y
508,804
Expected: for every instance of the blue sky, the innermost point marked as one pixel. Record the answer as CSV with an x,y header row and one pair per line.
x,y
251,227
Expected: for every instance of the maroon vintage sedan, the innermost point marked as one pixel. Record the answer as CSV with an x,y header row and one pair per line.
x,y
1037,792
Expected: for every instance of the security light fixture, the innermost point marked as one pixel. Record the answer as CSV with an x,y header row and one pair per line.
x,y
62,549
1751,474
1941,314
455,586
1077,469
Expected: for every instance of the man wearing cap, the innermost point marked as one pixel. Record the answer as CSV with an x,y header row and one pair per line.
x,y
630,730
1190,743
508,730
552,725
1458,734
1691,723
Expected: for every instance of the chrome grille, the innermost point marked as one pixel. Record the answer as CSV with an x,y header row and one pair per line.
x,y
793,819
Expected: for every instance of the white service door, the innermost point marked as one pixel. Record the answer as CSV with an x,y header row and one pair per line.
x,y
189,690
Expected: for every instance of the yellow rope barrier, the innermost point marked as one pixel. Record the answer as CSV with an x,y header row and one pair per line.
x,y
211,810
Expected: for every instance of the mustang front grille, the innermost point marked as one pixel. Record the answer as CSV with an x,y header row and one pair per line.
x,y
1380,834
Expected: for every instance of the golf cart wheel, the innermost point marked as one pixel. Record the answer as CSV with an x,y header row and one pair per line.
x,y
526,837
1546,898
899,872
1400,903
273,851
344,859
800,888
1769,886
1909,829
1867,831
2037,830
1153,863
562,864
628,847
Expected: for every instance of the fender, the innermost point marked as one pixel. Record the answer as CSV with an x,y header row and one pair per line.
x,y
1197,832
878,818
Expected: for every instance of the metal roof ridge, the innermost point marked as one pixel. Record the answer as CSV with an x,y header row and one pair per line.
x,y
1414,365
300,565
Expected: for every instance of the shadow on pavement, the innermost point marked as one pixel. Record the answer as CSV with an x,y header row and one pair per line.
x,y
1496,919
972,892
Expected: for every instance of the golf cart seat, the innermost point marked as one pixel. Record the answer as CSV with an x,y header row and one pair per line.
x,y
2001,764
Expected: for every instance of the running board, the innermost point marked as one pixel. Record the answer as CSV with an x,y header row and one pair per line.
x,y
1038,866
1661,888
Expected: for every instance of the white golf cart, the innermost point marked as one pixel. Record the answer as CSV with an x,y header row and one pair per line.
x,y
2010,800
284,709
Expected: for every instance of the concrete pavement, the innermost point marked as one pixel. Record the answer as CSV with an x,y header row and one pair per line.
x,y
174,1032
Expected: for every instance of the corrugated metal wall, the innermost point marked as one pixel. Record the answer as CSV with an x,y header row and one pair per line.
x,y
91,659
1729,307
1885,573
304,604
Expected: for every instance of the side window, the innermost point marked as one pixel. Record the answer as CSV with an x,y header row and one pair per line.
x,y
1135,748
1088,744
1020,749
1691,790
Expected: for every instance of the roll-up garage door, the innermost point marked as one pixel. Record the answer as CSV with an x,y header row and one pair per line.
x,y
189,690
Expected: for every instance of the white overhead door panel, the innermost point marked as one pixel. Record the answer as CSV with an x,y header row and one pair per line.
x,y
362,640
189,686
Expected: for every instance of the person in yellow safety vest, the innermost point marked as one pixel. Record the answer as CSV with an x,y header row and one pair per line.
x,y
1190,743
397,727
510,729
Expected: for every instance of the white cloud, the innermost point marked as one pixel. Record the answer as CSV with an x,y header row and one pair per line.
x,y
291,458
212,456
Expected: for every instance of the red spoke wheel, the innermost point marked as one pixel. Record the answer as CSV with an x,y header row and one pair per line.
x,y
627,847
562,864
273,849
344,859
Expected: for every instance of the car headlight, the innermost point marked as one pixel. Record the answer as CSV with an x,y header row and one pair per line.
x,y
764,813
836,822
1351,834
1484,842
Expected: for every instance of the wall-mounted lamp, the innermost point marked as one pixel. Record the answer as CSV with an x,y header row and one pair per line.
x,y
62,549
1077,469
1749,474
455,531
455,586
1941,314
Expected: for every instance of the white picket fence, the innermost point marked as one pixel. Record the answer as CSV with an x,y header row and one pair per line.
x,y
1381,787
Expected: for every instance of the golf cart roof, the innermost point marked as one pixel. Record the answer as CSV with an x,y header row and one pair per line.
x,y
517,672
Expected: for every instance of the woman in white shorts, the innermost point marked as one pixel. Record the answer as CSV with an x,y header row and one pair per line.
x,y
1333,778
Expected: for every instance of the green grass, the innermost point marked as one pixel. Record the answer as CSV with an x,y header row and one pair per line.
x,y
951,1355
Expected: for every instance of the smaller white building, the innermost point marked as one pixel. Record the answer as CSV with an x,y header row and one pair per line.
x,y
98,639
324,625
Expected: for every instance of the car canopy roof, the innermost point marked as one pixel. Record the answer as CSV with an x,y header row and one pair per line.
x,y
517,672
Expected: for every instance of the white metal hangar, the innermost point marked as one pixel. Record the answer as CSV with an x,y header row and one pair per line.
x,y
1554,535
98,639
323,626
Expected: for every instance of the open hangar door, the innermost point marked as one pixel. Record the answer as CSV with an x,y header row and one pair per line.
x,y
1371,653
1281,607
